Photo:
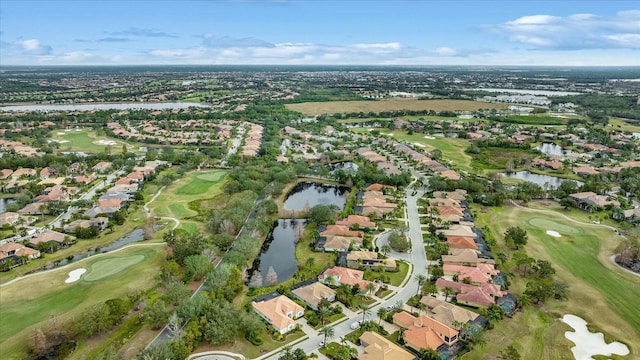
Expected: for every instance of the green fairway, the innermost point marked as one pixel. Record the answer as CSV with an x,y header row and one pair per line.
x,y
199,183
87,141
32,301
452,149
106,267
581,258
176,199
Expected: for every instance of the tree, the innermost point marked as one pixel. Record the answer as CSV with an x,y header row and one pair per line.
x,y
515,237
197,266
320,214
176,292
543,269
495,313
38,342
288,354
382,312
399,242
370,288
539,291
385,249
323,313
271,277
448,291
522,261
510,353
328,332
156,315
149,230
366,310
428,354
421,279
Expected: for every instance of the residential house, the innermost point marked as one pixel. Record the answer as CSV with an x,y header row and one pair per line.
x,y
313,293
341,230
280,312
100,223
341,243
424,332
102,167
472,295
590,200
459,230
447,313
5,173
480,274
461,242
585,171
49,236
23,172
466,257
369,259
376,347
9,218
12,250
339,275
361,221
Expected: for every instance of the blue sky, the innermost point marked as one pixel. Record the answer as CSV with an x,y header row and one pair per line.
x,y
428,32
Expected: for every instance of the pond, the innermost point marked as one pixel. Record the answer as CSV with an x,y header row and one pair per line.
x,y
277,260
4,202
134,236
553,149
545,181
306,195
107,106
636,135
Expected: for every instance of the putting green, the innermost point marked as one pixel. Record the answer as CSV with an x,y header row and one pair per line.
x,y
549,224
214,176
107,267
201,182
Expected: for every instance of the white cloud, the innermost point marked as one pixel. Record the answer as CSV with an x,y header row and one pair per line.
x,y
445,51
576,31
33,47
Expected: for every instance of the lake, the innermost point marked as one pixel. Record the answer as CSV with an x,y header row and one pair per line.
x,y
107,106
529,92
543,180
306,195
277,253
553,149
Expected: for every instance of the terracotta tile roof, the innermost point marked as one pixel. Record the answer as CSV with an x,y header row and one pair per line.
x,y
344,275
313,293
279,311
362,221
461,242
422,338
447,313
341,230
376,347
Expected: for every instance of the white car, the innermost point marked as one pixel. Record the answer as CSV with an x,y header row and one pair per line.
x,y
355,325
321,343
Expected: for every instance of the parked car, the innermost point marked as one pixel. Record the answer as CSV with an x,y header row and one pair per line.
x,y
355,325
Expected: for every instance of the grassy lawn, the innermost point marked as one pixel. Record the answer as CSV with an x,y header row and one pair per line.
x,y
619,124
174,201
581,258
86,141
108,276
452,149
250,351
395,278
332,107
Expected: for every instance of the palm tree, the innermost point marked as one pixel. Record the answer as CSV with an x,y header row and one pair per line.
x,y
323,313
328,333
421,279
370,288
382,312
386,249
447,291
366,310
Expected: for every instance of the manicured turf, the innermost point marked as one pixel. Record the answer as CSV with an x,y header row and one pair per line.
x,y
85,141
30,302
600,293
452,149
177,200
106,267
201,182
332,107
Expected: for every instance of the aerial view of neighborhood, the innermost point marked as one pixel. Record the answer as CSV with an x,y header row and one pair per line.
x,y
284,210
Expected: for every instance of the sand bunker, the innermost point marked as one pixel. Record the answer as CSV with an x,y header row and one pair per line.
x,y
429,137
553,233
57,141
74,275
589,344
418,144
61,133
105,142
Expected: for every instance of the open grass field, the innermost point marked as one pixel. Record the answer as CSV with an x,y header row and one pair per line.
x,y
619,124
30,302
86,141
175,200
452,149
602,294
332,107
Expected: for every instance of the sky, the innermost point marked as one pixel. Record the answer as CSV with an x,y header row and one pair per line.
x,y
296,32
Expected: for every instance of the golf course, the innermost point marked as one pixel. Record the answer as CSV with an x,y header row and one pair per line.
x,y
175,200
87,141
599,292
31,302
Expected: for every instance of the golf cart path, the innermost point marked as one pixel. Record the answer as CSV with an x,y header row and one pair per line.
x,y
148,211
612,258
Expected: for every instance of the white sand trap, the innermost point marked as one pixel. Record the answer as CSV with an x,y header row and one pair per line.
x,y
57,141
105,142
61,133
429,137
418,144
553,233
74,275
589,344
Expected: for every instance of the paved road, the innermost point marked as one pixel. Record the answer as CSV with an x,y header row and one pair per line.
x,y
417,257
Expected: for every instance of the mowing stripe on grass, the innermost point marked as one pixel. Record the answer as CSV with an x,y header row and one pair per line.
x,y
107,267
